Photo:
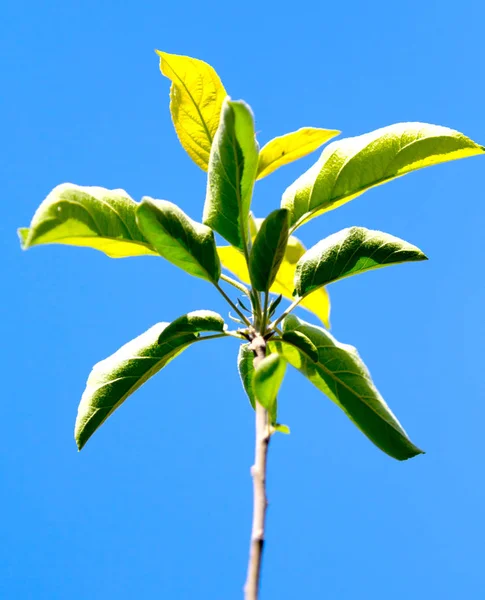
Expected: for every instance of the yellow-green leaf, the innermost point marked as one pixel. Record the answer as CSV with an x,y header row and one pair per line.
x,y
317,302
287,148
92,217
196,97
267,380
349,167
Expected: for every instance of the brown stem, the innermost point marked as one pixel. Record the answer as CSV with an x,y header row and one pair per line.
x,y
258,472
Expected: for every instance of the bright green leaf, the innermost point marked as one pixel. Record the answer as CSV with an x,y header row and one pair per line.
x,y
290,147
268,250
268,377
112,380
349,167
342,376
196,321
318,302
182,241
246,371
282,428
88,216
232,171
196,97
350,252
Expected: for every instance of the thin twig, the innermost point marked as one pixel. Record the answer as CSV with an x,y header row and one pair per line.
x,y
226,297
258,472
265,312
286,313
242,288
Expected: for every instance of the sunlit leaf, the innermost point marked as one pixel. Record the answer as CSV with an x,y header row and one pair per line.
x,y
179,239
246,371
350,252
267,380
196,97
196,321
88,216
290,147
232,171
282,428
349,167
268,250
114,379
340,374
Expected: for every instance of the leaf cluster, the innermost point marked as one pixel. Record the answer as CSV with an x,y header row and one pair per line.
x,y
263,261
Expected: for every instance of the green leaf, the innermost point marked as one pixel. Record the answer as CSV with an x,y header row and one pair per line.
x,y
268,250
342,376
196,97
350,252
318,302
88,216
246,371
232,171
349,167
182,241
302,342
274,305
268,377
290,147
112,380
193,322
282,428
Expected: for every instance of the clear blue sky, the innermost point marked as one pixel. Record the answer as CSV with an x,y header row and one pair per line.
x,y
158,504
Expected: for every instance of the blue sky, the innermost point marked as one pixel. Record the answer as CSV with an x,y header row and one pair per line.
x,y
158,504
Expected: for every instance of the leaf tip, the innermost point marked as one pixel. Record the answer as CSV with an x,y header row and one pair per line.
x,y
23,233
79,441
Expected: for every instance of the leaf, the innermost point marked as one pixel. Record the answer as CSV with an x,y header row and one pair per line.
x,y
318,302
302,342
245,367
281,428
342,376
350,252
196,97
267,380
232,171
243,306
274,305
268,250
290,147
88,216
193,322
349,167
112,380
182,241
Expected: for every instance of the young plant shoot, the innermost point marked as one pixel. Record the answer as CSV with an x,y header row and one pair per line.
x,y
261,263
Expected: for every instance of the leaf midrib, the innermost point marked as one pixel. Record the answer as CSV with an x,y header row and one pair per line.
x,y
349,389
193,101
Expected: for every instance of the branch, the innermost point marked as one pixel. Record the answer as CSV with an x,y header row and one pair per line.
x,y
258,471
